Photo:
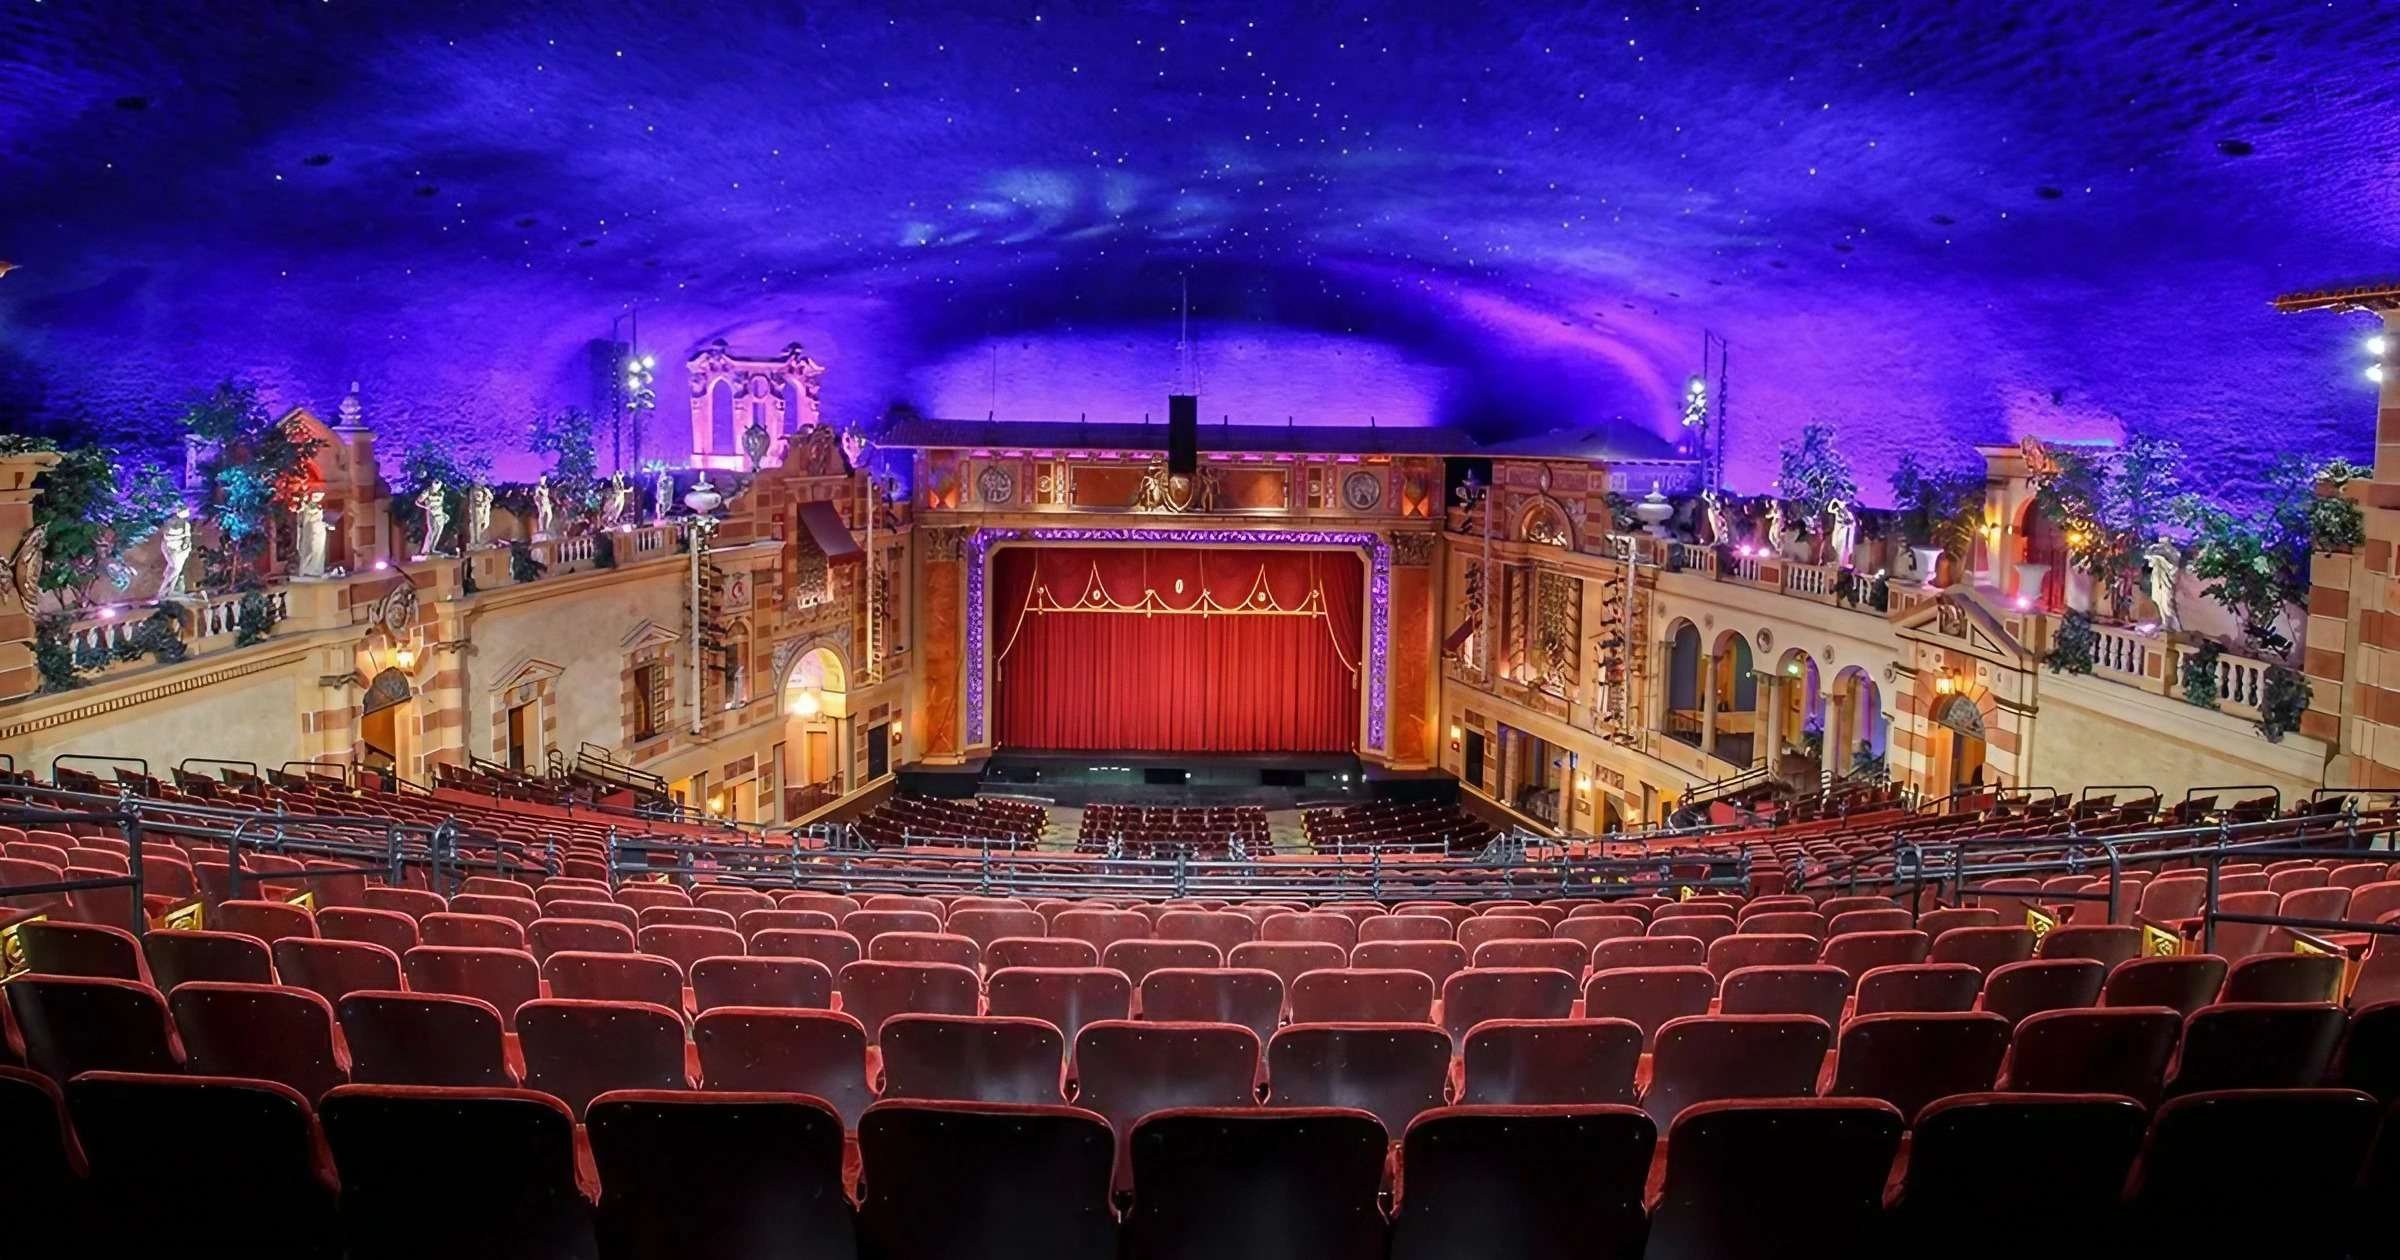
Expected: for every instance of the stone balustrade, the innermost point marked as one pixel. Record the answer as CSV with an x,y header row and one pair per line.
x,y
207,624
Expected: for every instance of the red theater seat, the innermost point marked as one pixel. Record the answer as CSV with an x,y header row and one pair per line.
x,y
1811,990
2042,984
1984,948
390,929
1405,927
786,982
1066,998
91,950
1304,1181
2122,1050
2212,1150
1127,1069
1289,960
833,950
1652,951
1910,1059
1550,1062
871,991
720,1177
77,1024
264,1031
43,1197
516,1148
503,978
1649,996
686,945
1138,958
1435,960
984,925
931,947
2256,1045
1745,1177
2047,1165
1728,954
1390,1071
971,1058
582,936
931,1192
756,1049
2183,982
2269,978
178,957
333,969
269,921
1249,997
1705,1058
161,1148
577,1050
1357,995
1040,951
1473,996
472,931
1524,1181
423,1039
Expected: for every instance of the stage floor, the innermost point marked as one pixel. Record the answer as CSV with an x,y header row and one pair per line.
x,y
1276,781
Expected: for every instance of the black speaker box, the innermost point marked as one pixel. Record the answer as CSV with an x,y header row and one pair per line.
x,y
1183,434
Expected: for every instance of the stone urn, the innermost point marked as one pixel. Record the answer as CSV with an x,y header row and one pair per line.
x,y
703,498
1654,511
2030,577
1929,564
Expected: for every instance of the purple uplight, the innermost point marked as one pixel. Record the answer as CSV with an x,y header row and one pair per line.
x,y
1379,591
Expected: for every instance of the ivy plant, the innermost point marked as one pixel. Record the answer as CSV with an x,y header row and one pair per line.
x,y
2200,675
2073,650
2283,698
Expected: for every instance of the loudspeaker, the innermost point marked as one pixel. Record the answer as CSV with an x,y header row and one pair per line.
x,y
1285,778
1183,434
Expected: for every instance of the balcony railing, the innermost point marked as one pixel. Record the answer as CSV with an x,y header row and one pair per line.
x,y
207,624
562,556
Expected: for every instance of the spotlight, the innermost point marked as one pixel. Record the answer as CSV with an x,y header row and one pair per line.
x,y
2376,345
2375,373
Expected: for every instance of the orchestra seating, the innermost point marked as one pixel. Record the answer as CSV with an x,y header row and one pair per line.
x,y
975,821
1141,830
1685,1072
1394,825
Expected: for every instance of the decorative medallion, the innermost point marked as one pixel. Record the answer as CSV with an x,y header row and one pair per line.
x,y
996,484
21,573
1766,639
398,610
1362,490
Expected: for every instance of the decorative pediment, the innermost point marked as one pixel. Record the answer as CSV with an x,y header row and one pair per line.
x,y
1961,621
528,670
648,635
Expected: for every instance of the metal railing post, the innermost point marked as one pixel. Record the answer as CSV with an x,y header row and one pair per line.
x,y
133,842
2216,862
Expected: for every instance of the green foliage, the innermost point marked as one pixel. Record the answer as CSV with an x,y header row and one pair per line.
x,y
253,620
159,637
2282,700
94,512
2335,522
2112,503
62,665
2072,648
567,437
604,550
1939,507
522,564
260,472
2200,675
1814,473
54,653
2256,563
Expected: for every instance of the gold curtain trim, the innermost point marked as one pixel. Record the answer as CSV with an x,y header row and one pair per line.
x,y
1260,602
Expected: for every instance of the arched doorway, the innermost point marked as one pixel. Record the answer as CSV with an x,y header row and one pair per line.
x,y
1958,744
1733,683
1854,724
386,729
2044,542
1683,683
816,713
1800,719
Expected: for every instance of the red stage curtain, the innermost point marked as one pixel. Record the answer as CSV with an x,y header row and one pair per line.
x,y
1125,682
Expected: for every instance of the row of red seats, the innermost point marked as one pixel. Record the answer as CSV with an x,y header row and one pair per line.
x,y
751,1175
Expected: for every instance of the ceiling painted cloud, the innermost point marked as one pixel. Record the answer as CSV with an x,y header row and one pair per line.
x,y
1930,224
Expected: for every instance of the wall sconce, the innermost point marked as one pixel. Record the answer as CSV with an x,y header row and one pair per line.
x,y
1455,733
895,730
807,705
404,658
716,802
1583,783
1945,684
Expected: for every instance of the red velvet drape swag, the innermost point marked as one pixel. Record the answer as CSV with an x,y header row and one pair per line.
x,y
1123,682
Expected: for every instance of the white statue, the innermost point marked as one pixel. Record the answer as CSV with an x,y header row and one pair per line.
x,y
435,504
620,501
309,533
1774,527
662,496
545,510
1845,531
479,516
2165,565
175,550
1712,510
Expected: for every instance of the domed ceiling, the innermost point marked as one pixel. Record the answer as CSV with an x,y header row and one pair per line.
x,y
1931,225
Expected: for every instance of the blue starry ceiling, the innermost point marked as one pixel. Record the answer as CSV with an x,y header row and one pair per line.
x,y
1930,224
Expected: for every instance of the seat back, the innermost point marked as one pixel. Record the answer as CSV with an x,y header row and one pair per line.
x,y
1289,960
1127,1069
1705,928
423,1039
520,910
1040,951
614,978
752,922
576,1050
332,969
43,1196
1550,1063
504,978
931,1192
1728,954
1861,952
1806,923
756,1049
472,931
515,1147
391,929
1360,995
1502,925
2269,978
1221,928
1704,1058
1742,1175
1405,927
1550,953
265,1031
1983,948
788,982
1648,996
1934,923
2108,944
2120,1050
178,957
1066,998
972,1058
720,1176
1804,990
2053,1165
1138,958
1524,1181
583,936
76,1024
1304,1181
2256,1045
2183,982
1334,929
1592,929
1923,987
92,950
2042,984
1435,960
1652,951
2368,1059
1909,1059
872,991
1101,928
269,921
934,947
1475,995
2207,1147
685,944
1878,919
265,1130
1391,1071
735,900
1250,997
685,916
983,925
831,949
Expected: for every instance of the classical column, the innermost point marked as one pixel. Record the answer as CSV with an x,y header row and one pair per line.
x,y
1708,703
1833,756
1767,723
